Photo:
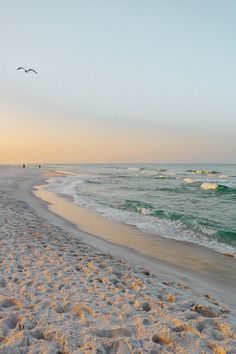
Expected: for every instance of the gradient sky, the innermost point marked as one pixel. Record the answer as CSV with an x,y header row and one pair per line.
x,y
120,81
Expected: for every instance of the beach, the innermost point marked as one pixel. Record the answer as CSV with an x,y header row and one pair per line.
x,y
63,290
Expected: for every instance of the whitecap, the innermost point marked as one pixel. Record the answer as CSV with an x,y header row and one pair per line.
x,y
145,211
188,180
209,185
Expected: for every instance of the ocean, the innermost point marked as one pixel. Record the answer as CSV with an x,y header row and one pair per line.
x,y
186,202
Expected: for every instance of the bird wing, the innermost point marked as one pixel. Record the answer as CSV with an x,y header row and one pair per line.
x,y
33,71
21,67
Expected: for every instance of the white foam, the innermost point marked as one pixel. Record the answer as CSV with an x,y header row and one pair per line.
x,y
145,211
188,180
209,185
64,185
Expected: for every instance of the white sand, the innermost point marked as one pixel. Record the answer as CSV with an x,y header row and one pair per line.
x,y
60,295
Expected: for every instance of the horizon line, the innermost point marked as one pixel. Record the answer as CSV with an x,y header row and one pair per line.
x,y
118,163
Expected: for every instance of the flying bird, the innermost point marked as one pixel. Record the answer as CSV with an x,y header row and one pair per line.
x,y
27,71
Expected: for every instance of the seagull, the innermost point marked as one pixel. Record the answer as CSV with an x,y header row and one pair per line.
x,y
27,71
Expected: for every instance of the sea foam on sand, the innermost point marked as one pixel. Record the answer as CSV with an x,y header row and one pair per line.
x,y
60,295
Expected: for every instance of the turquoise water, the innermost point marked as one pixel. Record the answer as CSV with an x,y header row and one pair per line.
x,y
195,203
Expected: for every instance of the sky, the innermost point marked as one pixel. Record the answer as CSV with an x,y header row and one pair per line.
x,y
119,81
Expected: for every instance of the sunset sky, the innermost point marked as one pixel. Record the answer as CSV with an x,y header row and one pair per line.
x,y
119,81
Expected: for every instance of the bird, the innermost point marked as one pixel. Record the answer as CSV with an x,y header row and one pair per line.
x,y
27,71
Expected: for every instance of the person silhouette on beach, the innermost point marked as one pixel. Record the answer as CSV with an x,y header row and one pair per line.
x,y
23,165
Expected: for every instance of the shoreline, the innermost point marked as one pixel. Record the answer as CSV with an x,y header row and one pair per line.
x,y
200,263
60,294
106,212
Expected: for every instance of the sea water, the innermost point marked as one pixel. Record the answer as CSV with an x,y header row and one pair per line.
x,y
195,203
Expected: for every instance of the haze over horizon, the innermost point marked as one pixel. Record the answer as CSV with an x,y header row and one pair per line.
x,y
128,81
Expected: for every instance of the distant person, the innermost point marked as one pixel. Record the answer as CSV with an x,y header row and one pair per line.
x,y
39,166
23,165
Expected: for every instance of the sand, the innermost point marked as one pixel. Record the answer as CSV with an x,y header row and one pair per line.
x,y
59,294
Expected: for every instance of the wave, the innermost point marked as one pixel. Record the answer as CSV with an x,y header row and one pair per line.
x,y
166,224
226,189
64,185
201,227
138,206
188,180
162,169
133,169
163,177
226,236
150,169
220,188
203,172
191,222
209,185
92,181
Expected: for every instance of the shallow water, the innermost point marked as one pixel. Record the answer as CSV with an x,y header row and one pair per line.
x,y
195,203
